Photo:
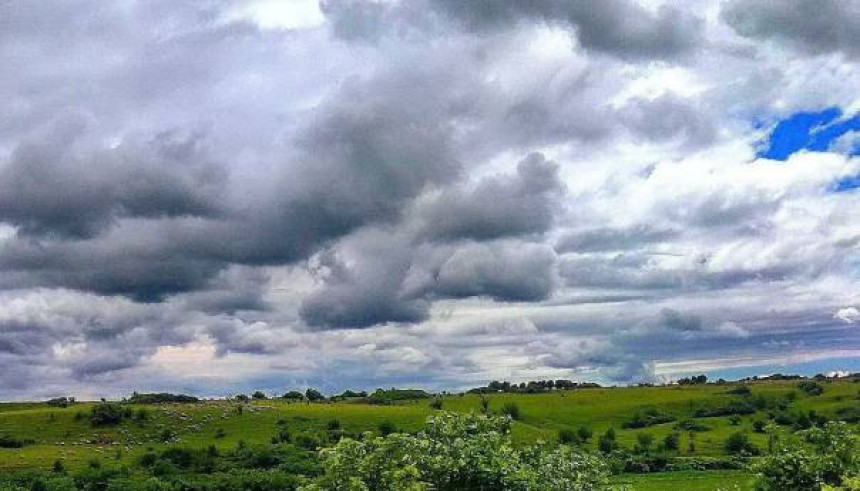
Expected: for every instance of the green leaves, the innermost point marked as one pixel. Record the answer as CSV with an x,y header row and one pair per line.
x,y
453,452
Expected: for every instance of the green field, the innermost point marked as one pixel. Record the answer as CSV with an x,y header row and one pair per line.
x,y
67,435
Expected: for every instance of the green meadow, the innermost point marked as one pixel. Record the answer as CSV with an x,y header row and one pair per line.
x,y
68,436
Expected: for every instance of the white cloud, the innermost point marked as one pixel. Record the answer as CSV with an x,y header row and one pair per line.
x,y
848,315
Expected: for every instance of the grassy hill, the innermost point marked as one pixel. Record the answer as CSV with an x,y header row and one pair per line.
x,y
51,434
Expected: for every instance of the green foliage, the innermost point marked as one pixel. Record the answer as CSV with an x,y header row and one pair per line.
x,y
258,395
671,442
739,407
108,413
8,441
567,437
314,395
455,452
512,410
390,396
739,444
584,433
644,442
607,443
691,425
740,390
60,401
386,428
811,388
161,398
293,395
645,417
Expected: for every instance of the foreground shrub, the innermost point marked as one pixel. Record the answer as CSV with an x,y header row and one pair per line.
x,y
821,458
456,452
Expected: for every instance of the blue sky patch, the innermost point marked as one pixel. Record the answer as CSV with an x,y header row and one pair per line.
x,y
815,131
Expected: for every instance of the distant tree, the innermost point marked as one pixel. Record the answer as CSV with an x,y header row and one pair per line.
x,y
242,398
293,395
60,401
313,395
259,395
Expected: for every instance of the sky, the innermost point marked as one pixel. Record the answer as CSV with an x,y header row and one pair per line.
x,y
215,197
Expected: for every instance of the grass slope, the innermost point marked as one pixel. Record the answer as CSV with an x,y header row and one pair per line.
x,y
66,433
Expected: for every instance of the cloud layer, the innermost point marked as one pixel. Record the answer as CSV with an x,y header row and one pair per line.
x,y
210,196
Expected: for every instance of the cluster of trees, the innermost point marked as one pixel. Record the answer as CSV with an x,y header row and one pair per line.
x,y
161,398
532,387
388,396
60,401
694,380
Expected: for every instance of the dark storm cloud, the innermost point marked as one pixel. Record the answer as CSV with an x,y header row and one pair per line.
x,y
505,270
47,188
813,26
618,27
497,206
368,290
387,280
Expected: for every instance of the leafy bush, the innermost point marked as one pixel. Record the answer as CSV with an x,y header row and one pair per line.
x,y
108,413
819,457
741,390
567,437
382,396
740,407
739,444
512,410
671,442
691,425
314,395
456,452
811,388
645,417
386,428
60,401
161,398
607,443
293,395
584,433
8,441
